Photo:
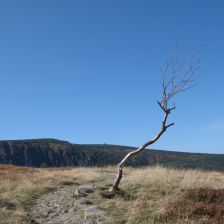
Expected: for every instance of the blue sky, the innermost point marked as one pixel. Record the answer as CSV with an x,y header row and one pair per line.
x,y
89,71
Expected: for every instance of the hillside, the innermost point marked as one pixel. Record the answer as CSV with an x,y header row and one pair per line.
x,y
56,153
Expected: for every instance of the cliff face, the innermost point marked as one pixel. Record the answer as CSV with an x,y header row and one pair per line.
x,y
55,153
38,153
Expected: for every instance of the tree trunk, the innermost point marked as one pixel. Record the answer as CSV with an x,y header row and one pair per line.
x,y
119,175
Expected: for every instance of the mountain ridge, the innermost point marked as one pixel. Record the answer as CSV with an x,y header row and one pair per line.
x,y
49,152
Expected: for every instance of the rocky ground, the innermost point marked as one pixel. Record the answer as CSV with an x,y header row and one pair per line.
x,y
68,205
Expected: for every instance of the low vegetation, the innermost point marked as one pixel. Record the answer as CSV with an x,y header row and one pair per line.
x,y
147,195
202,205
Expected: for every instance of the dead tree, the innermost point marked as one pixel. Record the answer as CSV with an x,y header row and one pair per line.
x,y
176,78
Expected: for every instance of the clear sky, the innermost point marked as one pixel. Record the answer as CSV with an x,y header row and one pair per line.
x,y
88,71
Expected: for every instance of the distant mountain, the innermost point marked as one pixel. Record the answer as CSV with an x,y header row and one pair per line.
x,y
56,153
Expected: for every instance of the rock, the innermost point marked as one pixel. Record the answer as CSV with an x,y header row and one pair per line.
x,y
77,193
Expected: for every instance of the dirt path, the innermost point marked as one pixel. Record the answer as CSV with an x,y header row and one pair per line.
x,y
68,205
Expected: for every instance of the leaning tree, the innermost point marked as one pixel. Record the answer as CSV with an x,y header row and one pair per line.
x,y
176,78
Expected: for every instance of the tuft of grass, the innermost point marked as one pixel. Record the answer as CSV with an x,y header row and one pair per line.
x,y
69,183
7,203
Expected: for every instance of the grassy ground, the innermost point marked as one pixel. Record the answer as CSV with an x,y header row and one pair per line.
x,y
160,195
147,195
19,186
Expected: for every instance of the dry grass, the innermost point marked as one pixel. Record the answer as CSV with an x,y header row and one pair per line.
x,y
148,195
19,186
